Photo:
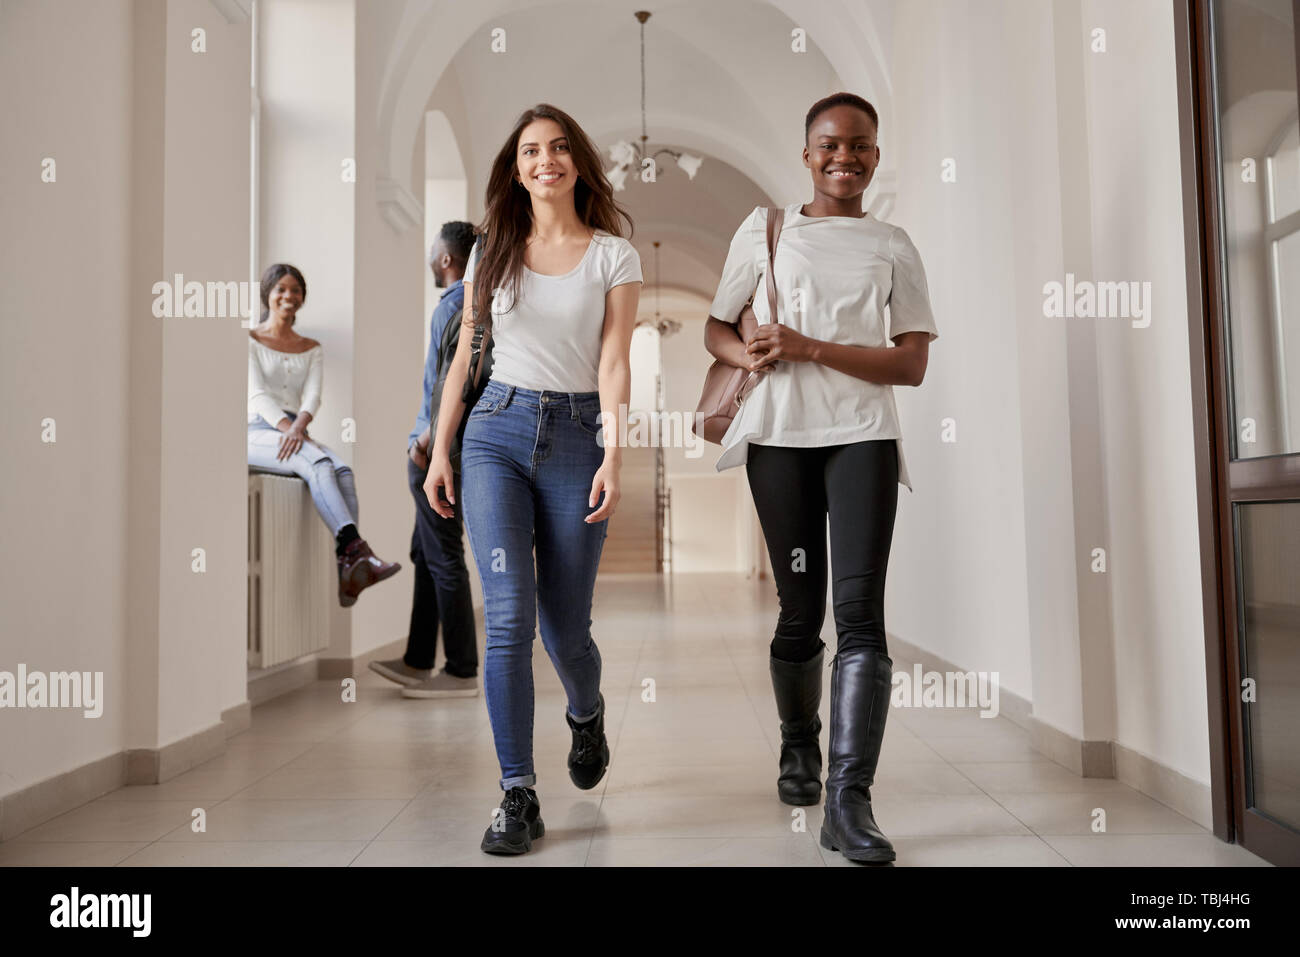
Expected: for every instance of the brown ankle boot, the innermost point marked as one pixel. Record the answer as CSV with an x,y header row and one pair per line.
x,y
359,569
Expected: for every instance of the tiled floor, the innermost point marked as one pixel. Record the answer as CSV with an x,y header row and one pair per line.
x,y
394,781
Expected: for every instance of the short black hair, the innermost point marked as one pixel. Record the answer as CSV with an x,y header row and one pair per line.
x,y
459,237
839,99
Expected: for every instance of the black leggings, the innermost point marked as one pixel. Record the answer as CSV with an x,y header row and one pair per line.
x,y
794,491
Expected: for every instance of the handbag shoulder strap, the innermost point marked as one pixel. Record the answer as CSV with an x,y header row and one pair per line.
x,y
476,355
775,220
480,331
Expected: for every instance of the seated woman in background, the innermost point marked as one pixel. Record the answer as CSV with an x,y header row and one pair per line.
x,y
284,372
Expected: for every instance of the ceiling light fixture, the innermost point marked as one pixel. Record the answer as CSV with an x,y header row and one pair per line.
x,y
628,156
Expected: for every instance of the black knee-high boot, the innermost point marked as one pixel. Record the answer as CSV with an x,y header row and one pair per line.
x,y
860,687
798,690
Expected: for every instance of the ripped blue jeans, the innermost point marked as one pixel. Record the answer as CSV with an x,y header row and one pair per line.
x,y
329,478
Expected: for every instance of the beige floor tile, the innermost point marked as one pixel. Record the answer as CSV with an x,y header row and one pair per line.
x,y
204,784
692,781
1152,850
899,747
796,850
661,750
81,854
956,723
550,850
461,818
721,780
339,783
104,820
719,706
370,754
427,728
996,750
900,777
684,732
1034,777
953,851
247,854
681,816
244,753
933,815
1126,813
292,820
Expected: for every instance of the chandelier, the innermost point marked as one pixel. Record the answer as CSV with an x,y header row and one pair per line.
x,y
627,156
661,324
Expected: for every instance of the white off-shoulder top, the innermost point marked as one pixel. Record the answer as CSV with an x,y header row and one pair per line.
x,y
280,383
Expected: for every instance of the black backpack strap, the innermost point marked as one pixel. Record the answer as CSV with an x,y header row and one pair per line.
x,y
450,337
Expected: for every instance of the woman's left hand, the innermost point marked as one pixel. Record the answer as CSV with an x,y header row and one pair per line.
x,y
776,340
605,480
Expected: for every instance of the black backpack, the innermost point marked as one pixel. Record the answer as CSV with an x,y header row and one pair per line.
x,y
471,392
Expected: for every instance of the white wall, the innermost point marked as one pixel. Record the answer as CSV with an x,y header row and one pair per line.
x,y
958,570
1146,390
1003,521
446,197
307,211
151,145
202,618
390,328
63,502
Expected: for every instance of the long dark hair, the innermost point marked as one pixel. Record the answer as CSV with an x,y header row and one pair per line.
x,y
510,210
274,273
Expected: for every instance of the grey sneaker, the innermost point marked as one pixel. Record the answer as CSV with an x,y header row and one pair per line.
x,y
399,671
442,685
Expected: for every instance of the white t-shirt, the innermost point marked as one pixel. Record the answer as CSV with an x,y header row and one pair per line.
x,y
834,277
550,340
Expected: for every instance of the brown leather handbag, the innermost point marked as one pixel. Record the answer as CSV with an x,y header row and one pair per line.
x,y
726,386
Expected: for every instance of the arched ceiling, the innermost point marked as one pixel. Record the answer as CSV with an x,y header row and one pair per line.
x,y
722,83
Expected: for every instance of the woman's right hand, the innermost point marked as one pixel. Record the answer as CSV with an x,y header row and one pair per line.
x,y
291,441
442,478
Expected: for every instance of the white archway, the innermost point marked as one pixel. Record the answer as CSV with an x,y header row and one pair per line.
x,y
429,37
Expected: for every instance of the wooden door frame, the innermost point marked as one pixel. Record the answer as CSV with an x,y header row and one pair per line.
x,y
1262,479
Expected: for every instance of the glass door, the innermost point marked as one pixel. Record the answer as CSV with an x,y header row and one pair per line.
x,y
1248,65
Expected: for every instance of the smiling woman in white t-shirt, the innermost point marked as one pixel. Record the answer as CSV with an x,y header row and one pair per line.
x,y
557,284
819,435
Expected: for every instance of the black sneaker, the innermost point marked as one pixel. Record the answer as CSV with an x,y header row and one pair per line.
x,y
517,825
589,755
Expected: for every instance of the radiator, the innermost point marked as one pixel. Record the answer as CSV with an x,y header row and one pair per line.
x,y
291,571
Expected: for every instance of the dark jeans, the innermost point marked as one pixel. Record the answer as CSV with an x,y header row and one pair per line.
x,y
795,490
441,587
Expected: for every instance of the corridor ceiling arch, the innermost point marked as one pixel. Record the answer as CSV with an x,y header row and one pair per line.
x,y
845,48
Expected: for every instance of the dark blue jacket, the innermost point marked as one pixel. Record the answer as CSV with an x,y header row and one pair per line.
x,y
451,303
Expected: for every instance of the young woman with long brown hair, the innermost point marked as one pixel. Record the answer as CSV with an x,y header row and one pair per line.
x,y
557,285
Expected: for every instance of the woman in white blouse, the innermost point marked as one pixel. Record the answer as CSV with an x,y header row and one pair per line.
x,y
819,435
284,392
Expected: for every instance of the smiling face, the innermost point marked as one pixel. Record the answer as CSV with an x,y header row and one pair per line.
x,y
841,152
545,165
286,298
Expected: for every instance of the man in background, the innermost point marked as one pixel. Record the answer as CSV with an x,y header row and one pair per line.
x,y
442,592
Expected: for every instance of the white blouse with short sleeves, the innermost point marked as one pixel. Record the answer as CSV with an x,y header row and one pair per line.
x,y
550,341
280,382
834,276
